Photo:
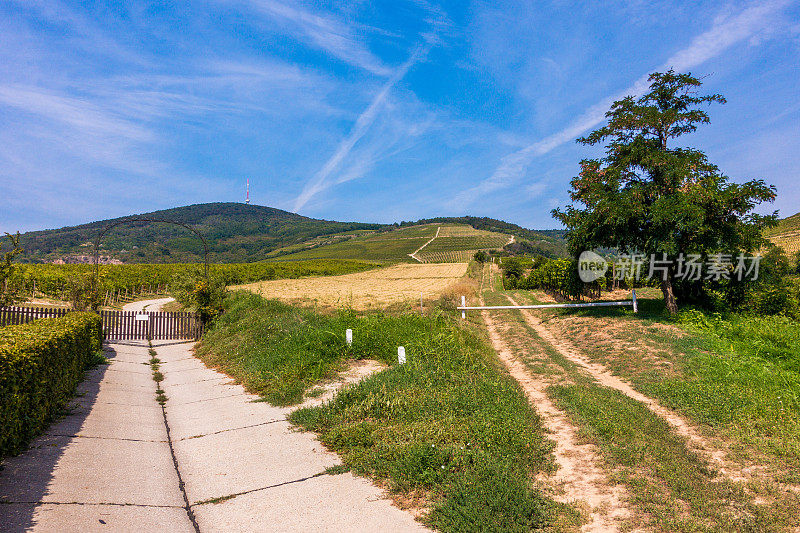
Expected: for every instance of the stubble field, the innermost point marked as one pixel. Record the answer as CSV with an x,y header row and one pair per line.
x,y
364,290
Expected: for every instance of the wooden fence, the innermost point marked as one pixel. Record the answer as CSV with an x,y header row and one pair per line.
x,y
119,325
12,316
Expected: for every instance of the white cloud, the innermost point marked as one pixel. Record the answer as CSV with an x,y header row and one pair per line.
x,y
74,112
724,33
324,32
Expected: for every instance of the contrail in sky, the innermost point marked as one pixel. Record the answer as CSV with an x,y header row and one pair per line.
x,y
321,180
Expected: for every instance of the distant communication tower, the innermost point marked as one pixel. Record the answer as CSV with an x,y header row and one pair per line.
x,y
247,198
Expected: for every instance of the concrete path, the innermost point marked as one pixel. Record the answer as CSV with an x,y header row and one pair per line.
x,y
213,459
106,466
246,469
147,305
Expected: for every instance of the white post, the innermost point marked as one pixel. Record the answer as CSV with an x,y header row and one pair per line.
x,y
635,305
421,311
463,304
348,337
401,355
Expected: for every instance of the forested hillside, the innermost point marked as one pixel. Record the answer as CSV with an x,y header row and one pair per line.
x,y
238,233
234,232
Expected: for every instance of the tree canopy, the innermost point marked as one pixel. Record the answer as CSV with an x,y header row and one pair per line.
x,y
647,197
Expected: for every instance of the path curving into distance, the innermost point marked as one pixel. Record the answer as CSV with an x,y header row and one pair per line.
x,y
413,255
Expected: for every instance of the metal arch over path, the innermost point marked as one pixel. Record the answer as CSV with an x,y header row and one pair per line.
x,y
143,219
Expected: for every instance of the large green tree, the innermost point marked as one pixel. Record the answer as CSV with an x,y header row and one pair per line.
x,y
648,197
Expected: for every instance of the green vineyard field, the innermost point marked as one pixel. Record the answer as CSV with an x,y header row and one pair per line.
x,y
455,256
50,279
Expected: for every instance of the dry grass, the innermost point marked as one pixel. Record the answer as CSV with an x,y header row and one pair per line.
x,y
365,290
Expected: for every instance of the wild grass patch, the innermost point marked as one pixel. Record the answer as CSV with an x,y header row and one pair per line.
x,y
721,375
448,423
669,483
737,374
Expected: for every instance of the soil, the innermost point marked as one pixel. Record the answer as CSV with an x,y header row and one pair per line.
x,y
356,371
579,478
697,442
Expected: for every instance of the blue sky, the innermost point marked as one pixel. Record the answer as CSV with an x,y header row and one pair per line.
x,y
367,111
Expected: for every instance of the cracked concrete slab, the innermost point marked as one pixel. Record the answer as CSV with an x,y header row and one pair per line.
x,y
192,375
102,419
321,504
264,455
203,390
16,518
85,470
233,412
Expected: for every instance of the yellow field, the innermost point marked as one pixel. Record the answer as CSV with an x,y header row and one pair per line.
x,y
364,290
789,241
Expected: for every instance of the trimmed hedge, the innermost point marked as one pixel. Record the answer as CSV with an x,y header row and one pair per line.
x,y
40,365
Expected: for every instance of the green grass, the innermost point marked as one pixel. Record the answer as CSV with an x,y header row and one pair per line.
x,y
738,374
673,488
449,424
668,482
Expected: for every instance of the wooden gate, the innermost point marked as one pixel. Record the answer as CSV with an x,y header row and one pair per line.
x,y
120,325
158,325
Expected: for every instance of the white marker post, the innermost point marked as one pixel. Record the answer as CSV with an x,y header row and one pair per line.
x,y
463,304
348,337
633,297
421,311
401,355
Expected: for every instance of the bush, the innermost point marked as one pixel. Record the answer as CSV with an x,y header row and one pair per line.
x,y
199,294
8,292
40,365
481,256
778,299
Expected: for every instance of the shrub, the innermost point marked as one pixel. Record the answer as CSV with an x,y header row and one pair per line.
x,y
8,292
199,294
40,365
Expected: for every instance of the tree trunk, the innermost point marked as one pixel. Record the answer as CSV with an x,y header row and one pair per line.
x,y
669,295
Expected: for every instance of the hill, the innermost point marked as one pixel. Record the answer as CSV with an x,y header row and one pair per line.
x,y
238,232
429,243
549,243
786,234
234,232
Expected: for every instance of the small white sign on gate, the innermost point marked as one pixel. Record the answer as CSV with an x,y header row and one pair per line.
x,y
142,316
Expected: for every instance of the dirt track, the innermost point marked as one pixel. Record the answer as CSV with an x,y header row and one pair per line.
x,y
579,478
